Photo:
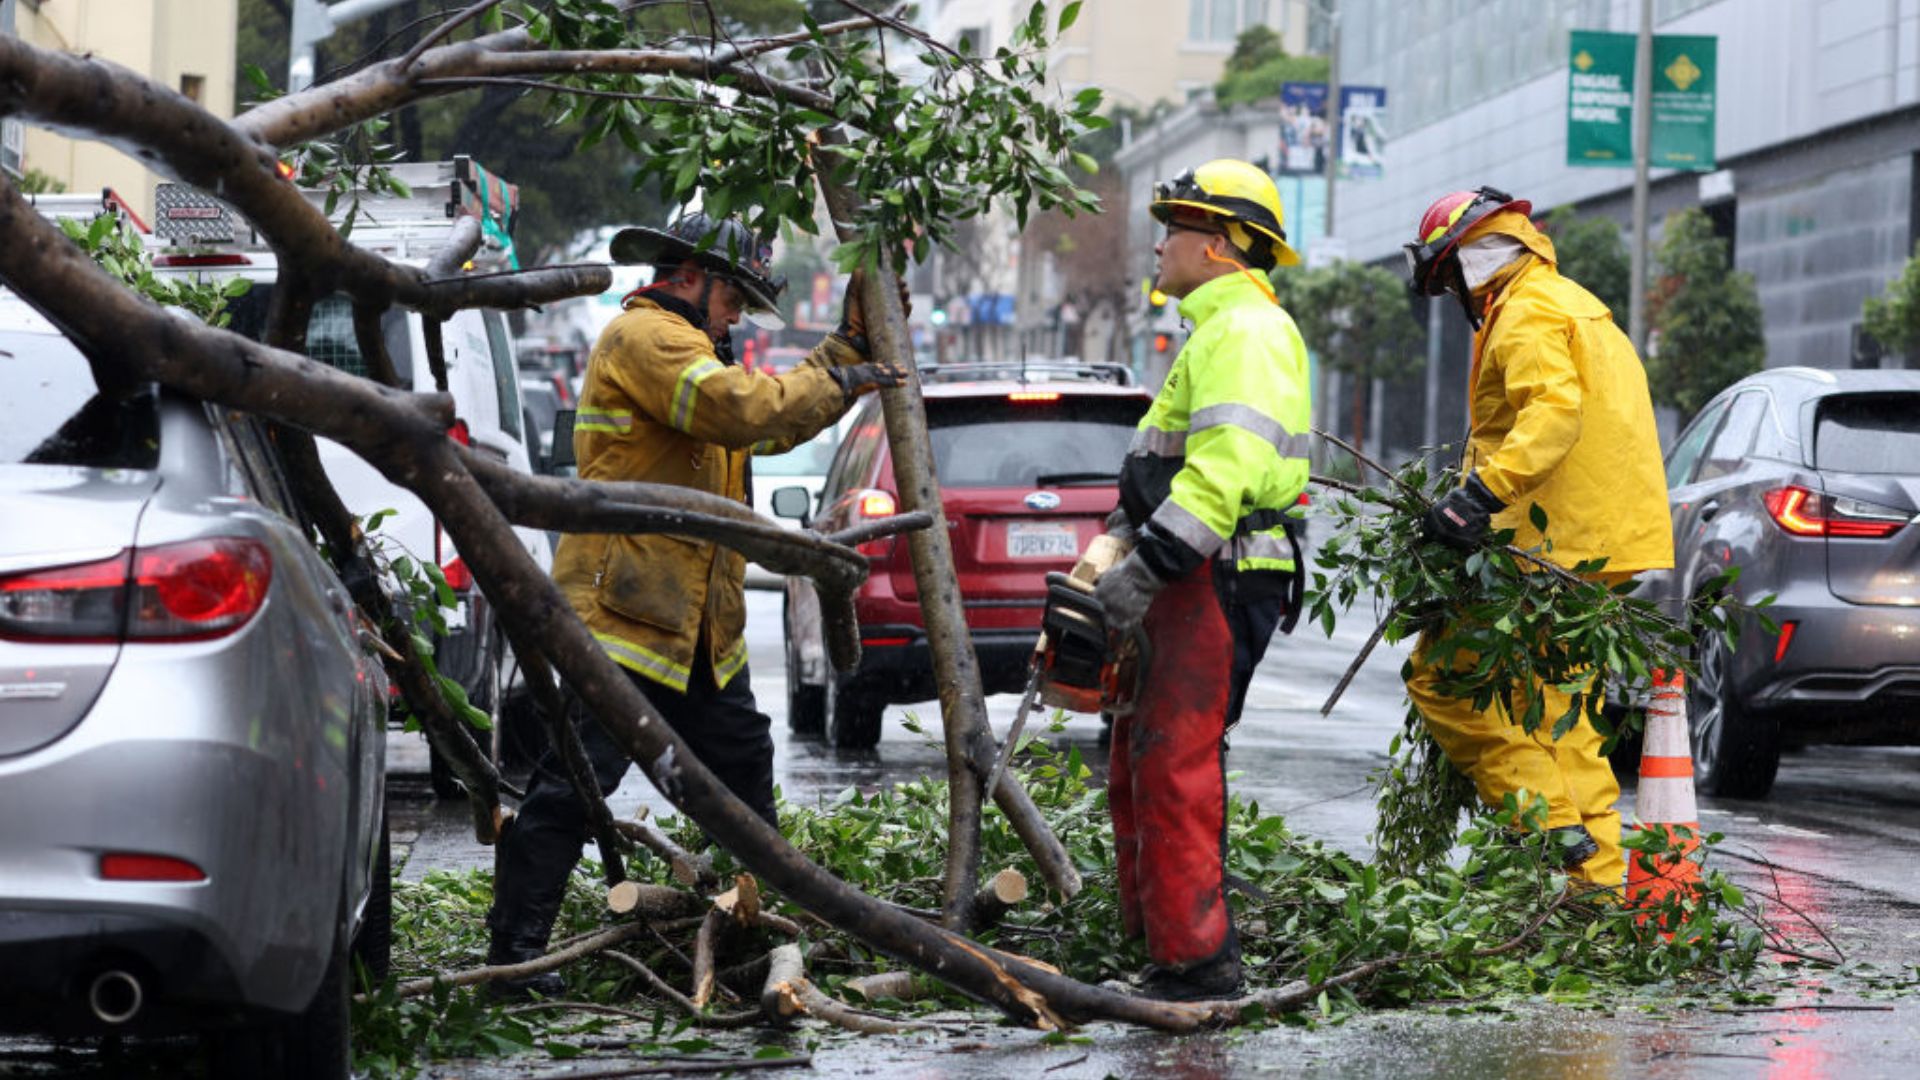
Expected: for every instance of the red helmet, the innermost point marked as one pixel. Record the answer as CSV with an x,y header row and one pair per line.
x,y
1442,226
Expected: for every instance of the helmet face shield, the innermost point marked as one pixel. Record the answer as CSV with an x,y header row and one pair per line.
x,y
1427,255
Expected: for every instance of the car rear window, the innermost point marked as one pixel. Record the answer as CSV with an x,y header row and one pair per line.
x,y
330,337
52,414
1868,433
999,442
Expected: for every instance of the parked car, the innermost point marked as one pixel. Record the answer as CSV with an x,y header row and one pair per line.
x,y
804,466
542,396
1027,475
1808,481
192,737
482,376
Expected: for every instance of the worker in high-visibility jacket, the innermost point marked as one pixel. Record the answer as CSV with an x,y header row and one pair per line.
x,y
1207,494
663,402
1560,417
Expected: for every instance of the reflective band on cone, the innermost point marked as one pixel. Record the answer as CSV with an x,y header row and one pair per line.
x,y
1665,800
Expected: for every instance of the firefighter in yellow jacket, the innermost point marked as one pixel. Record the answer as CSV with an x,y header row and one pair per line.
x,y
1560,417
663,402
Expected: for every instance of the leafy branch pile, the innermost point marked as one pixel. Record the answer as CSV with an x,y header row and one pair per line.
x,y
1497,621
1334,933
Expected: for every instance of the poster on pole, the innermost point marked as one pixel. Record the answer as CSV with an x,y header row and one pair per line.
x,y
1303,129
1683,101
1362,138
1600,99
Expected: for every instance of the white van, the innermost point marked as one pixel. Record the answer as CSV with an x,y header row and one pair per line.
x,y
482,378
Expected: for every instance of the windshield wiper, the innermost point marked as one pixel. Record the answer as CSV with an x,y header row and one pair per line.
x,y
1055,479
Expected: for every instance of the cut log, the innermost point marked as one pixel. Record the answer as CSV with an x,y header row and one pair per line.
x,y
998,896
705,944
652,902
780,999
898,985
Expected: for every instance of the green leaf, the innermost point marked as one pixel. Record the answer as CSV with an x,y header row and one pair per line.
x,y
1068,15
1537,514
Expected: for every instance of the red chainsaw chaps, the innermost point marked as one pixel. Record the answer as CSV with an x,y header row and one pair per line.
x,y
1166,782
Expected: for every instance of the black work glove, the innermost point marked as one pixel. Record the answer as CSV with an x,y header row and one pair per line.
x,y
1125,592
1462,516
1121,527
857,379
853,317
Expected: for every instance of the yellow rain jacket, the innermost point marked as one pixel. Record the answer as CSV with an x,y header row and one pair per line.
x,y
1561,416
657,405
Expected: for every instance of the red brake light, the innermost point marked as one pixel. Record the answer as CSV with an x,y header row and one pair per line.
x,y
124,866
459,433
284,168
459,578
1030,396
189,591
82,603
202,260
1804,512
876,504
1786,638
197,589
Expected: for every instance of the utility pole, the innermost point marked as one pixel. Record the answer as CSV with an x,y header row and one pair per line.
x,y
1642,152
1333,111
314,21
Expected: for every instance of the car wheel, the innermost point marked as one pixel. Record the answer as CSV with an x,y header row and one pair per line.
x,y
806,705
485,696
1736,753
853,716
1625,758
373,945
316,1044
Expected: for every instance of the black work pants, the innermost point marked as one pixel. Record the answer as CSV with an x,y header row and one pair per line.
x,y
721,725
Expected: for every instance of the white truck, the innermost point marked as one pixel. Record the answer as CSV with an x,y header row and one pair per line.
x,y
196,234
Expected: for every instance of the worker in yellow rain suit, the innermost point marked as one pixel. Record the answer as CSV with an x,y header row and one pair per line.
x,y
663,402
1560,417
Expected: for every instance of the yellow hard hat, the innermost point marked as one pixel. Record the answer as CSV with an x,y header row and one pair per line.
x,y
1242,194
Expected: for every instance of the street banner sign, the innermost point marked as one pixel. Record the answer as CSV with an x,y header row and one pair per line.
x,y
1360,143
1303,129
1600,100
1683,101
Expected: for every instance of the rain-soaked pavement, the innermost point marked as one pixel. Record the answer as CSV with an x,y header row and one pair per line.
x,y
1839,835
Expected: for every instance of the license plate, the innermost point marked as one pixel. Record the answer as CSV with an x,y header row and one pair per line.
x,y
1033,541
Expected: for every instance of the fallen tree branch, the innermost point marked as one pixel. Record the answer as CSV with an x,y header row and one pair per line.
x,y
653,903
693,871
1353,669
552,961
699,1016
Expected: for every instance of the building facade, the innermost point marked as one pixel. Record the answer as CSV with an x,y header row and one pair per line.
x,y
185,45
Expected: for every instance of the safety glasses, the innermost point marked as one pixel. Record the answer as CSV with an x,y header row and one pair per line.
x,y
1425,256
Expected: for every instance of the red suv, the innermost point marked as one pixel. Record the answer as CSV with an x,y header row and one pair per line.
x,y
1027,460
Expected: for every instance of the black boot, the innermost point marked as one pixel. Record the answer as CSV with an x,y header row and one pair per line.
x,y
1216,979
529,879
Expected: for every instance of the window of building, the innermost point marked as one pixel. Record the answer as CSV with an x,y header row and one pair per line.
x,y
1220,21
193,88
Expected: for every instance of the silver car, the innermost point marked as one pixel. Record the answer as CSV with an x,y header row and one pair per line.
x,y
1809,481
192,827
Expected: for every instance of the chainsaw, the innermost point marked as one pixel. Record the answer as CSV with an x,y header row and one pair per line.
x,y
1076,666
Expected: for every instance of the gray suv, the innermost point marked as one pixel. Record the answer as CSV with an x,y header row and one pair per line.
x,y
1808,480
192,827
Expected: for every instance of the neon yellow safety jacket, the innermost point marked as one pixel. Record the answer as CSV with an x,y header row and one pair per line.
x,y
1216,467
658,405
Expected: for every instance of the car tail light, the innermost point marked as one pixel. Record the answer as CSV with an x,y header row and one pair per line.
x,y
127,866
867,505
459,433
884,642
197,589
1786,638
876,504
1030,397
189,591
202,260
1804,512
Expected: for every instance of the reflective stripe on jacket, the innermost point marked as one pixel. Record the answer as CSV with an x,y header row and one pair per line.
x,y
658,406
1220,459
1561,417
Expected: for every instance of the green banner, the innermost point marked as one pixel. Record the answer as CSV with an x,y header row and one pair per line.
x,y
1683,80
1600,98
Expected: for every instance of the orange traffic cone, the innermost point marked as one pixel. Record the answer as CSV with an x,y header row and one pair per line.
x,y
1665,801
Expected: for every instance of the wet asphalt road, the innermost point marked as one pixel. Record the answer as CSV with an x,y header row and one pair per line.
x,y
1839,836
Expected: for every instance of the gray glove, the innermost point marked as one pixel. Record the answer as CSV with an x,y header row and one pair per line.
x,y
1121,528
1125,592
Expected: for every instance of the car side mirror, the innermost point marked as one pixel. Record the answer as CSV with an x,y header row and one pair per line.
x,y
560,457
792,502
